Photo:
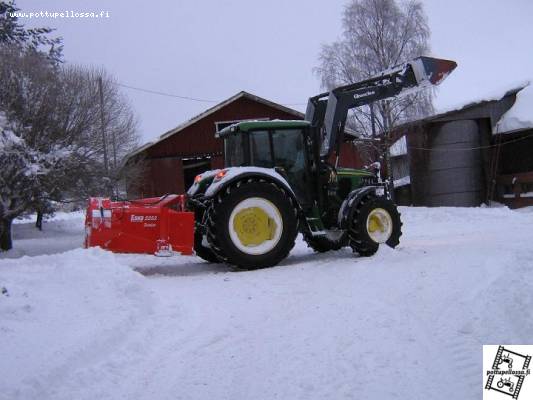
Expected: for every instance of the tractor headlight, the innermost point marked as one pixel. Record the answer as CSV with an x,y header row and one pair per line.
x,y
220,175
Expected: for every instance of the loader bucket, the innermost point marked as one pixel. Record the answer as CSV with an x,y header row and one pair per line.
x,y
430,70
157,225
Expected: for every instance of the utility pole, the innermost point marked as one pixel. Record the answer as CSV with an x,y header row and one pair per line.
x,y
373,120
113,138
387,138
102,126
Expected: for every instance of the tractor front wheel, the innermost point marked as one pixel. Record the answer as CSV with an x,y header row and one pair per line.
x,y
252,224
375,221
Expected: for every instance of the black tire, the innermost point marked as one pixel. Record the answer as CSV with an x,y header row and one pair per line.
x,y
360,240
218,218
321,244
204,252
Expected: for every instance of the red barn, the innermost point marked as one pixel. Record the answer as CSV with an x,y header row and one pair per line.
x,y
170,163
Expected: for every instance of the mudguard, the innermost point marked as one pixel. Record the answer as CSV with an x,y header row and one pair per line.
x,y
348,206
197,185
235,174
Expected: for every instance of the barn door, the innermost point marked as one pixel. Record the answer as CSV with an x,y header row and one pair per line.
x,y
193,167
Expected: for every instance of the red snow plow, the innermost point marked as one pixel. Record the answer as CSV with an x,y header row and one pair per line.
x,y
158,225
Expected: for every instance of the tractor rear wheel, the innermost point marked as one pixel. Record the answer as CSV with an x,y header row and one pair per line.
x,y
375,221
252,224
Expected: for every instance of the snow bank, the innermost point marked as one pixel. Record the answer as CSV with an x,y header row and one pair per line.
x,y
61,312
520,115
80,325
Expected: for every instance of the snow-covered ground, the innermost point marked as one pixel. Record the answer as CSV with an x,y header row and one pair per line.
x,y
405,324
63,232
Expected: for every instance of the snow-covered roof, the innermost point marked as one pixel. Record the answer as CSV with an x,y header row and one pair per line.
x,y
520,115
399,147
492,94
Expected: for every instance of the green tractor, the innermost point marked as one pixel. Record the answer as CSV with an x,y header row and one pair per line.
x,y
279,180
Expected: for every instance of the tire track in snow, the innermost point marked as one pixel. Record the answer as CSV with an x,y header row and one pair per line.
x,y
96,360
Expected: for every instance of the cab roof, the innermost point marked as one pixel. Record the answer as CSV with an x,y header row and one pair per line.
x,y
247,126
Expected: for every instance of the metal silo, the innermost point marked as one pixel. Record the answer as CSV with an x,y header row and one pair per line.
x,y
455,174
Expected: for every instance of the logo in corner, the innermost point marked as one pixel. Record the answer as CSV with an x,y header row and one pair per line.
x,y
507,371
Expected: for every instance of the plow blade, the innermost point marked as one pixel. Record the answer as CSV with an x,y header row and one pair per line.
x,y
157,225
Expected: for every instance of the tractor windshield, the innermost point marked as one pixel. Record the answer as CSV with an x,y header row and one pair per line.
x,y
284,149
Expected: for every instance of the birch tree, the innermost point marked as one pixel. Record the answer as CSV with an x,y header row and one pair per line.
x,y
377,35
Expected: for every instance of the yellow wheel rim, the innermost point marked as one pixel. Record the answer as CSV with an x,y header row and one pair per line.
x,y
379,225
255,226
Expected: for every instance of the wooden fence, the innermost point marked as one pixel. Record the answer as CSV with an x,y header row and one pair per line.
x,y
515,190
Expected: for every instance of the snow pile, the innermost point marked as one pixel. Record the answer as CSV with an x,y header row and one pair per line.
x,y
520,115
61,312
410,321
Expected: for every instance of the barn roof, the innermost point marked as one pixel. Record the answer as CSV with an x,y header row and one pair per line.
x,y
211,110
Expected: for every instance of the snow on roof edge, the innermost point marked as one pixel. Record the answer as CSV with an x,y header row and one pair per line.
x,y
520,115
493,95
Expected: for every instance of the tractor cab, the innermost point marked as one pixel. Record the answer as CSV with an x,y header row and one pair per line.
x,y
279,145
291,148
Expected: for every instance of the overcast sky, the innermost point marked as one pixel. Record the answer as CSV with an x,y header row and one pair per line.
x,y
212,49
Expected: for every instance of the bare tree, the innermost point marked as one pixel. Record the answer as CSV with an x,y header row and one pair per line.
x,y
51,150
377,35
81,109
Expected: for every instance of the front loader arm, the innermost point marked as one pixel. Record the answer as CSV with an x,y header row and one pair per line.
x,y
331,114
